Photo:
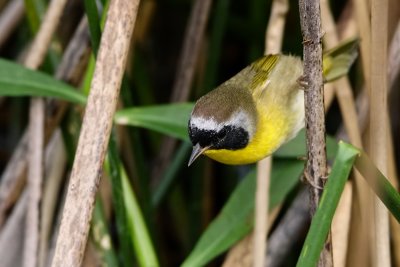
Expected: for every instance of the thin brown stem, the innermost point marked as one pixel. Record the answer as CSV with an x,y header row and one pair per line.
x,y
190,50
261,211
315,172
55,163
273,45
10,17
36,134
11,236
378,121
364,30
35,179
276,27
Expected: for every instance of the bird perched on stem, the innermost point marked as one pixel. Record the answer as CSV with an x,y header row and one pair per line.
x,y
252,114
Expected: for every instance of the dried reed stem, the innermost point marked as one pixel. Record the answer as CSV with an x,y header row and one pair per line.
x,y
12,234
378,122
261,211
364,30
55,163
273,43
36,132
190,50
95,133
10,17
35,177
276,27
341,226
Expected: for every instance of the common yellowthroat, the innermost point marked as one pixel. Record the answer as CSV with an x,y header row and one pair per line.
x,y
252,114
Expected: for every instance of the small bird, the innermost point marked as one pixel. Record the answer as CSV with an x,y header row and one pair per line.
x,y
252,114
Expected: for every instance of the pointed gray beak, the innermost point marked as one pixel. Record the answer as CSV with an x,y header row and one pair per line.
x,y
196,152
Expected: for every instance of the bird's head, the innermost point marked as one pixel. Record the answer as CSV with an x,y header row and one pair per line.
x,y
224,119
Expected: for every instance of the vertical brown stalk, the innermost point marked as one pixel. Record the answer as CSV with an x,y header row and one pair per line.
x,y
358,239
273,44
378,121
10,18
190,50
34,183
314,109
261,211
315,172
95,133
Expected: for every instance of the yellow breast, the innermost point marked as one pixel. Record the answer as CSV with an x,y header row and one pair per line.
x,y
272,129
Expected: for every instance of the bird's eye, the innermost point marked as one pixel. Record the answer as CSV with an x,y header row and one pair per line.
x,y
221,134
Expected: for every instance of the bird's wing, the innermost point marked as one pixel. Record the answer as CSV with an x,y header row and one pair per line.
x,y
261,69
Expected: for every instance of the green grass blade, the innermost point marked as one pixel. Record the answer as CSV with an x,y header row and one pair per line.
x,y
144,249
16,80
34,11
322,219
94,24
113,169
380,184
236,218
167,119
101,236
94,38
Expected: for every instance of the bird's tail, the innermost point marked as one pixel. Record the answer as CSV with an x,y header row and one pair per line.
x,y
338,60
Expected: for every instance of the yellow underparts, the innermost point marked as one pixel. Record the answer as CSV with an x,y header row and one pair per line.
x,y
272,130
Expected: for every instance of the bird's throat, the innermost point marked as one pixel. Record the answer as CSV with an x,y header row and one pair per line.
x,y
271,133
